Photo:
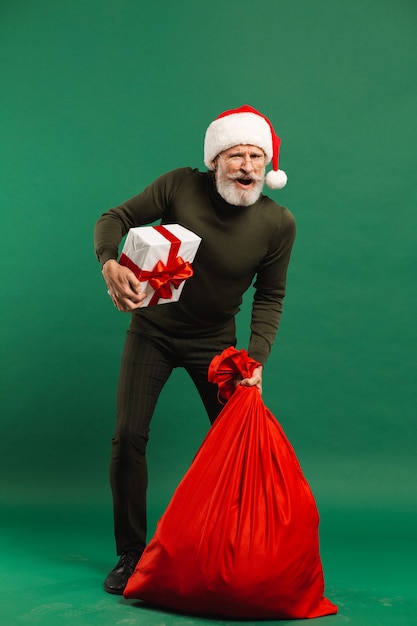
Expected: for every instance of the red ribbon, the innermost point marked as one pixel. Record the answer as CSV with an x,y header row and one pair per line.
x,y
162,276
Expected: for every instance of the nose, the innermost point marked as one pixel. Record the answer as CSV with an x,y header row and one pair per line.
x,y
247,164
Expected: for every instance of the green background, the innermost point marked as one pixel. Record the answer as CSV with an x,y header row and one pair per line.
x,y
97,99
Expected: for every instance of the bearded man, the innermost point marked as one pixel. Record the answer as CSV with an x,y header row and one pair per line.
x,y
247,239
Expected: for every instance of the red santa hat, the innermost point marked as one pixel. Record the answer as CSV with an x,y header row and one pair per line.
x,y
245,126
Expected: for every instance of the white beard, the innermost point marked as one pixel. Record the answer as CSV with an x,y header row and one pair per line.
x,y
234,195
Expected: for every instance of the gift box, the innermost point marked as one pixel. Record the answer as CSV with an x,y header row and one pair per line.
x,y
161,258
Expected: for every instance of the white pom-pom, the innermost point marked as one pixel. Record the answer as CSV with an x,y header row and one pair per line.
x,y
276,179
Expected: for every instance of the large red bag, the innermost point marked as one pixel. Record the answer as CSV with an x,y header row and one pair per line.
x,y
239,538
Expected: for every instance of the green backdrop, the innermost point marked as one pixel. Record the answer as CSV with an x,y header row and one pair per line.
x,y
100,97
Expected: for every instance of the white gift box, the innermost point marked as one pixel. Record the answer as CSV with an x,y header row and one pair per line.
x,y
161,258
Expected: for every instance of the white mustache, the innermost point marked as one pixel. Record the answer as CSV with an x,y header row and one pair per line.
x,y
243,174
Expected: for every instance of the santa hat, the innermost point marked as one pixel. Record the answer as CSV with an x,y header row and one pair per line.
x,y
245,126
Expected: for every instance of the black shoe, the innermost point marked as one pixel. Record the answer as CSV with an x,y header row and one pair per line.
x,y
116,581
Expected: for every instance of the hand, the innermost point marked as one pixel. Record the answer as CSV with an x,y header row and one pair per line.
x,y
123,286
255,380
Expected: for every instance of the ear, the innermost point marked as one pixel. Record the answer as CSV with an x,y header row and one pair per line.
x,y
214,164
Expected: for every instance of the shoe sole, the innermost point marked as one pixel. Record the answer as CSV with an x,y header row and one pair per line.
x,y
113,591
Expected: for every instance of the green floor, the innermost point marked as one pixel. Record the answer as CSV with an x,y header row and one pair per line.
x,y
54,560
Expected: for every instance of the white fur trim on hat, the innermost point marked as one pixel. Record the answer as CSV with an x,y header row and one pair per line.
x,y
234,130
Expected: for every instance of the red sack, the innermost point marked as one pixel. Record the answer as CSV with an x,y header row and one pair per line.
x,y
239,538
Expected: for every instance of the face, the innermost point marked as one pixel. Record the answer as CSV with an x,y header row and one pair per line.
x,y
240,173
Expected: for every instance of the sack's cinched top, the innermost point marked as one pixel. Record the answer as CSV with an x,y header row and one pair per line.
x,y
225,367
239,538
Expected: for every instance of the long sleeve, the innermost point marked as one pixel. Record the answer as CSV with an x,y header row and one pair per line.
x,y
144,208
270,288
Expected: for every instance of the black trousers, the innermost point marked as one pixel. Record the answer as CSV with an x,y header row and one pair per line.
x,y
147,363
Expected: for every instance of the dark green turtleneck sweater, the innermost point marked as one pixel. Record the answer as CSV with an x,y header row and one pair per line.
x,y
239,245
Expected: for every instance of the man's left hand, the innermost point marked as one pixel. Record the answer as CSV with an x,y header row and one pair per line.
x,y
255,380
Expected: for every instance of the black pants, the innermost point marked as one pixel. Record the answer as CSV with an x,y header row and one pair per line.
x,y
147,363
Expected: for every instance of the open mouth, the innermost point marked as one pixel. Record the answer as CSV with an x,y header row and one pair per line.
x,y
244,181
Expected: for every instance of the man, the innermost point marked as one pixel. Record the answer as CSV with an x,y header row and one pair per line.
x,y
245,237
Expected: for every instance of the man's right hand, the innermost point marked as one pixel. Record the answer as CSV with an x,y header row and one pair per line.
x,y
123,286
